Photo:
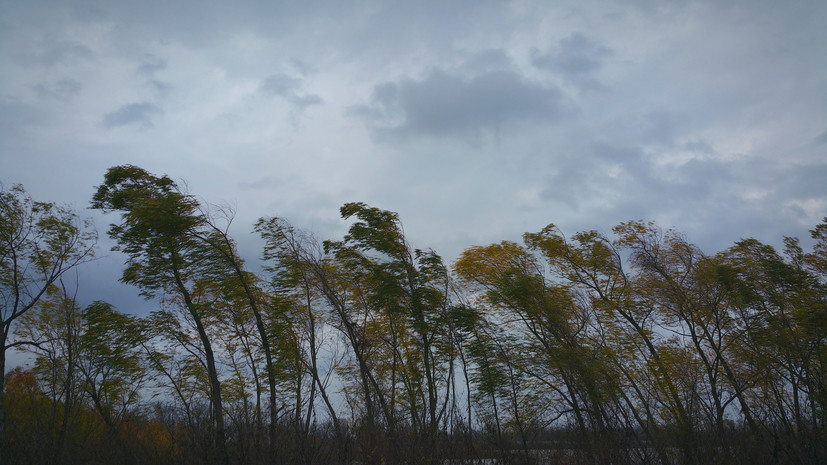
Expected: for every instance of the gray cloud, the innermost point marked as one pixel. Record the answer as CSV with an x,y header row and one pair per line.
x,y
58,53
16,122
150,64
716,200
602,171
710,116
289,88
805,181
576,58
576,55
62,90
452,105
134,114
280,84
159,88
494,59
302,67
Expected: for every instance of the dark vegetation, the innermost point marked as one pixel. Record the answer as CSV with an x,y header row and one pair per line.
x,y
634,348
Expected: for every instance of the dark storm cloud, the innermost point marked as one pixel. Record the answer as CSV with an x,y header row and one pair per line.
x,y
137,114
62,90
451,105
289,88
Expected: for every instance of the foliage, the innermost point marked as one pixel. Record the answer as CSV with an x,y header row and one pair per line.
x,y
631,347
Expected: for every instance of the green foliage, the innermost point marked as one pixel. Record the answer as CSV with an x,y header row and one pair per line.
x,y
157,229
39,243
111,360
628,348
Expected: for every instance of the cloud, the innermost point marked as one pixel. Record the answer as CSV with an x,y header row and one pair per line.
x,y
137,114
58,53
690,185
159,88
302,67
576,58
806,181
148,67
288,88
280,84
448,105
600,173
488,60
150,64
62,90
17,121
708,115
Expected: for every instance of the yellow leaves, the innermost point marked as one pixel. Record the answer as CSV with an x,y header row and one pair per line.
x,y
817,260
484,266
20,382
635,232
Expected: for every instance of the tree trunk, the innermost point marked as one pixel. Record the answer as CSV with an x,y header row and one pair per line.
x,y
229,254
212,373
3,449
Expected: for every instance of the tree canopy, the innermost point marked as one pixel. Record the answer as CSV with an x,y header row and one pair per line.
x,y
631,346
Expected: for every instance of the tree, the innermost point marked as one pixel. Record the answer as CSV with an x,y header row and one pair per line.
x,y
294,261
778,309
242,285
160,231
593,266
409,287
110,361
551,326
39,243
52,331
678,281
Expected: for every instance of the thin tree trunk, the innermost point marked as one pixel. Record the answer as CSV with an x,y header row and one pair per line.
x,y
229,254
212,372
3,448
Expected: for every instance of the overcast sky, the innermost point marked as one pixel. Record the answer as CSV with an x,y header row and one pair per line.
x,y
476,121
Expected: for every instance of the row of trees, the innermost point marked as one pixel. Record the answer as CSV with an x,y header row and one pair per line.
x,y
634,348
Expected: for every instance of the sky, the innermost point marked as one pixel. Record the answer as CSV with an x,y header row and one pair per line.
x,y
476,121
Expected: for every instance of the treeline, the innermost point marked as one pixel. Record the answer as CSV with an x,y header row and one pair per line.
x,y
634,348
